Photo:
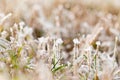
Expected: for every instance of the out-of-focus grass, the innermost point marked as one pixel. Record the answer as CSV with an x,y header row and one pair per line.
x,y
59,40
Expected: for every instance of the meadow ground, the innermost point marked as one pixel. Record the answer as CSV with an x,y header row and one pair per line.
x,y
59,40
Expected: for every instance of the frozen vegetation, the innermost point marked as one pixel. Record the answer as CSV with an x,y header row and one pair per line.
x,y
59,40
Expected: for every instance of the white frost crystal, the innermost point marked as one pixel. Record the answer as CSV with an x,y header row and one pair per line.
x,y
76,41
88,48
21,23
59,41
4,34
27,30
41,40
98,43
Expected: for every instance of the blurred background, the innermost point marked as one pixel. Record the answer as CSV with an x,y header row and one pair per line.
x,y
63,18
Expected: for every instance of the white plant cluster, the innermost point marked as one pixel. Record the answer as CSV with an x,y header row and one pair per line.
x,y
60,40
